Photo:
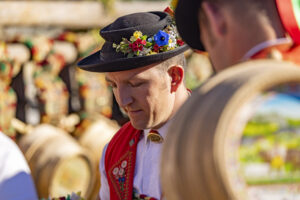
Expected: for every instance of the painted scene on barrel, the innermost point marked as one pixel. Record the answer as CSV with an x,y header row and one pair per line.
x,y
269,152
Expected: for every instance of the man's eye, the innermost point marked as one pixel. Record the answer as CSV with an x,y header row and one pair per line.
x,y
136,84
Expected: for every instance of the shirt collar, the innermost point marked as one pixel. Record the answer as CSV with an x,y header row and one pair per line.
x,y
257,48
162,130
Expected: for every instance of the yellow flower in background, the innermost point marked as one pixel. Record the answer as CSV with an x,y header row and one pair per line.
x,y
3,50
71,37
39,83
174,4
137,34
277,162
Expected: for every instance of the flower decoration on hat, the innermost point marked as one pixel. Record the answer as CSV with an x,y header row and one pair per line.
x,y
161,38
143,45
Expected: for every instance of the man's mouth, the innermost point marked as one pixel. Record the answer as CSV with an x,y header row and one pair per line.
x,y
132,112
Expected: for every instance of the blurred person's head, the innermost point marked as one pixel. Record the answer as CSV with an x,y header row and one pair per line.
x,y
228,29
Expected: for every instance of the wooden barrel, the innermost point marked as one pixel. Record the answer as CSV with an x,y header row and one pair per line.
x,y
200,154
96,136
58,163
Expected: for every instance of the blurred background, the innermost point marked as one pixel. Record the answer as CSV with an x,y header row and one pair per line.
x,y
61,117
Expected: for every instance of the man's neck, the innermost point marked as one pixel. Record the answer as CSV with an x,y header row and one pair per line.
x,y
255,42
273,14
182,94
265,27
257,48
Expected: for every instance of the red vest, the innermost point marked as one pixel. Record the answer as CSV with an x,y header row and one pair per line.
x,y
120,159
289,52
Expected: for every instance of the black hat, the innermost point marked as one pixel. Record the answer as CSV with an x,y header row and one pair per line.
x,y
133,41
186,17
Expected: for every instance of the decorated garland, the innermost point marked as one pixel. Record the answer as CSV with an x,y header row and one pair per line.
x,y
8,97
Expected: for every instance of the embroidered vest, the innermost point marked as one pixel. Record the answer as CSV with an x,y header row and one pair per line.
x,y
120,159
289,52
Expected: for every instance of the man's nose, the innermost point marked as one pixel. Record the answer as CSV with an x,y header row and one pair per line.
x,y
124,97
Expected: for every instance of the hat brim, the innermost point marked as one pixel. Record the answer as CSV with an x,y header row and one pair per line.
x,y
93,62
186,17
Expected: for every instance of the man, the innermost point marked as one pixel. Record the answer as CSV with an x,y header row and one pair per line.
x,y
15,179
143,60
237,30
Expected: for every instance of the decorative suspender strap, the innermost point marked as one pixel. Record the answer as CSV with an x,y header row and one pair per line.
x,y
120,160
289,12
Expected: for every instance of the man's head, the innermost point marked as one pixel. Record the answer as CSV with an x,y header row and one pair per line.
x,y
150,95
134,41
229,28
143,58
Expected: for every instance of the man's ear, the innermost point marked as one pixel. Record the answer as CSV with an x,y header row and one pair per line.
x,y
176,74
215,18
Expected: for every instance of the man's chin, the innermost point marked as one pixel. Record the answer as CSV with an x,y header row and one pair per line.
x,y
139,125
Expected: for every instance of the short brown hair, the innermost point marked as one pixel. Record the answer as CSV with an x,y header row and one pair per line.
x,y
245,8
176,60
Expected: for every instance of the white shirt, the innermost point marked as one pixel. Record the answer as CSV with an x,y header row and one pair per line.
x,y
146,174
15,180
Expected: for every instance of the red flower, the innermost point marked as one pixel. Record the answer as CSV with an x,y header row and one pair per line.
x,y
138,41
156,48
43,63
169,11
34,50
180,42
137,45
133,46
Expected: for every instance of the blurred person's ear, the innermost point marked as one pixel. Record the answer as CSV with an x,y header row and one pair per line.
x,y
215,19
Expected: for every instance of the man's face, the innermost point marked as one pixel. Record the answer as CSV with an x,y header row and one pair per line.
x,y
145,95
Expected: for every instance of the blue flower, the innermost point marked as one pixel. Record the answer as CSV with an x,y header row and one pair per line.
x,y
161,38
122,179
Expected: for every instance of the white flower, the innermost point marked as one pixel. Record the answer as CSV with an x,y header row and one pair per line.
x,y
115,171
172,41
145,51
124,164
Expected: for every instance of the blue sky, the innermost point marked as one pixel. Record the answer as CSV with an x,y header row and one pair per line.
x,y
283,104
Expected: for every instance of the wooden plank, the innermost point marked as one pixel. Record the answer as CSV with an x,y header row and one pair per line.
x,y
68,14
49,13
123,8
